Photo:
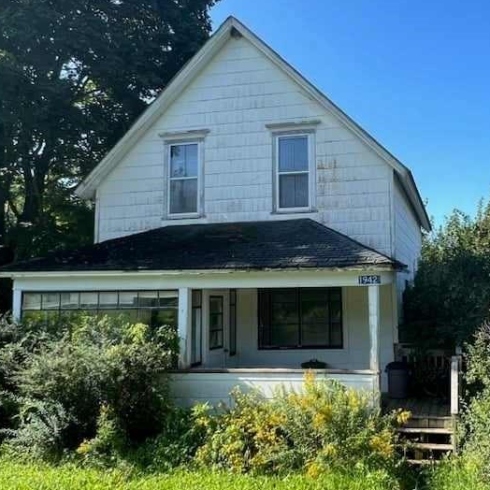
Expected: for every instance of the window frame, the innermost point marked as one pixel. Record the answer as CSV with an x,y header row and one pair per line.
x,y
97,309
310,137
199,177
260,328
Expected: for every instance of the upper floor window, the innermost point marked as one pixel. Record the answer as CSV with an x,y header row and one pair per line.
x,y
183,189
293,169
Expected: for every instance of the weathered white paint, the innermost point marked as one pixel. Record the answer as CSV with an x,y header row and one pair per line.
x,y
374,326
407,239
215,387
235,96
184,326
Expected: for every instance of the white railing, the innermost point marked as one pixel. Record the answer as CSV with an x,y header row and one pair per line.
x,y
456,362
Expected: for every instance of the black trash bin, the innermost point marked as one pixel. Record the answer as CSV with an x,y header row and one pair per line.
x,y
398,378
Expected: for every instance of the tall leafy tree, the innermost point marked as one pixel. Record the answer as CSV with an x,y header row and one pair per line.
x,y
74,74
450,296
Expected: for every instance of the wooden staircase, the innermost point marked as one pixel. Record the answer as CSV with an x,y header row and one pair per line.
x,y
426,439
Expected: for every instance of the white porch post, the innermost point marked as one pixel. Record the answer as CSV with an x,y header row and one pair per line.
x,y
184,326
374,314
16,304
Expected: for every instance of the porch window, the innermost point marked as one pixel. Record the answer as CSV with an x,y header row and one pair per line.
x,y
300,318
293,172
154,308
216,312
183,179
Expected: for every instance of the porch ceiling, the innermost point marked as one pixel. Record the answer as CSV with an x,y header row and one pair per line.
x,y
299,243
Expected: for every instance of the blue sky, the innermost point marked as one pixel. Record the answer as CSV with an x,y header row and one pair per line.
x,y
415,74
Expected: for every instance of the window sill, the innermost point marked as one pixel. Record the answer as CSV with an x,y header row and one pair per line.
x,y
183,216
295,211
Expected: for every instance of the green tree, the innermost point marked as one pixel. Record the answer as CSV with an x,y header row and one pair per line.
x,y
74,74
450,296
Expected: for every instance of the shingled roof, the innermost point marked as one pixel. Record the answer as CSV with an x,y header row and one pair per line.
x,y
299,243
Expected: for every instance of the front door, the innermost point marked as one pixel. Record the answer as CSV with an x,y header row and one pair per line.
x,y
218,327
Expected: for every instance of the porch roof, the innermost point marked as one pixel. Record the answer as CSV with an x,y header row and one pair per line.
x,y
292,244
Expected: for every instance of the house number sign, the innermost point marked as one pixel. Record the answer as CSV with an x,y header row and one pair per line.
x,y
369,280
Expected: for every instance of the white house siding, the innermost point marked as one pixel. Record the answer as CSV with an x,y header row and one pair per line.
x,y
408,239
199,387
234,97
354,355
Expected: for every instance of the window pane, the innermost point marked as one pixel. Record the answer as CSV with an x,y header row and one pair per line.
x,y
215,304
108,300
336,335
314,334
69,301
89,301
51,301
164,318
284,335
170,303
148,299
183,160
293,191
183,196
216,339
293,154
31,301
128,299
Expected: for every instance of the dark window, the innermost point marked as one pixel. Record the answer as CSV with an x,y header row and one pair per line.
x,y
215,322
300,318
196,326
233,314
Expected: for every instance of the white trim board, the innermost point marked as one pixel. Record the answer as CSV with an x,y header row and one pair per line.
x,y
233,27
142,281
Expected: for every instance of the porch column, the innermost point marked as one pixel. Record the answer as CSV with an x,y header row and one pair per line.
x,y
374,314
16,304
184,326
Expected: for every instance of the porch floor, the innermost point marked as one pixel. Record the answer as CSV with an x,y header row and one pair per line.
x,y
419,407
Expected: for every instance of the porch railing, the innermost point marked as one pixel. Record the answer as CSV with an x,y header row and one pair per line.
x,y
456,383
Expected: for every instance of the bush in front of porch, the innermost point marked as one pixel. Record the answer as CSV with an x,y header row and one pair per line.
x,y
93,379
326,427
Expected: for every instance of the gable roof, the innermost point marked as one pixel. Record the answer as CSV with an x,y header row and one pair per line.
x,y
292,244
233,27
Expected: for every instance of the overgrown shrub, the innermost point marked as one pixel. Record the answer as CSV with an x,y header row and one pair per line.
x,y
324,427
96,363
475,420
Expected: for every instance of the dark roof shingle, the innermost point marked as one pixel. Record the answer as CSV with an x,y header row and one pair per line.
x,y
298,243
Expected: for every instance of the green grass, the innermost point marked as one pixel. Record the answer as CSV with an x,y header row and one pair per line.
x,y
458,474
20,476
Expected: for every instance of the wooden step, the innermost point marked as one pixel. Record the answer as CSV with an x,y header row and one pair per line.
x,y
430,446
424,430
421,462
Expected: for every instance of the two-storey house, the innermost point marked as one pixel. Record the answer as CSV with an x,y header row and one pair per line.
x,y
249,211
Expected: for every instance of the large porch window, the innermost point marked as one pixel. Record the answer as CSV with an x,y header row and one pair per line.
x,y
154,308
300,318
